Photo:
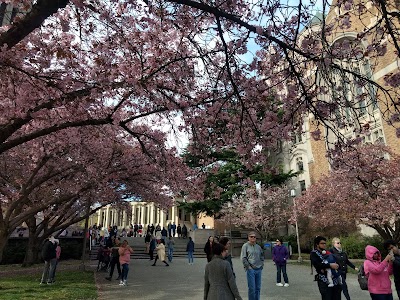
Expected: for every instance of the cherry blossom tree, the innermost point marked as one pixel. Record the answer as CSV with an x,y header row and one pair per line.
x,y
263,211
90,171
78,63
363,186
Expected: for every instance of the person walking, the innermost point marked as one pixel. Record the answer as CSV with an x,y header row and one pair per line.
x,y
124,252
169,228
280,255
170,245
190,250
179,231
184,231
252,257
391,246
160,253
219,281
147,240
225,241
321,264
208,248
173,228
115,259
378,273
164,234
152,247
343,261
49,256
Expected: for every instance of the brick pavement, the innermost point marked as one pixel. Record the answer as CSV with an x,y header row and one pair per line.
x,y
185,282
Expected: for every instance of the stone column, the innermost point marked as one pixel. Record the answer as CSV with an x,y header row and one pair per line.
x,y
151,221
98,217
172,214
142,214
125,220
176,220
162,219
107,216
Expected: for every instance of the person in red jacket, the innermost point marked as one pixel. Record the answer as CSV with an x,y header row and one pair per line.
x,y
378,272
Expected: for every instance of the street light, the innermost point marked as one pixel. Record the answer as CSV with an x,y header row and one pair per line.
x,y
230,226
293,195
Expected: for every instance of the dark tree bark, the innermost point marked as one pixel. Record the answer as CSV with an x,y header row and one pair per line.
x,y
33,19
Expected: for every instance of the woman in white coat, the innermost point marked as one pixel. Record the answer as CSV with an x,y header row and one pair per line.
x,y
160,248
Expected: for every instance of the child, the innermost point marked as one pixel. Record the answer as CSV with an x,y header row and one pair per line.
x,y
330,273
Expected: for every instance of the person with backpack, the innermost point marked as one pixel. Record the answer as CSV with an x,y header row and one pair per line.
x,y
343,261
391,246
320,264
378,272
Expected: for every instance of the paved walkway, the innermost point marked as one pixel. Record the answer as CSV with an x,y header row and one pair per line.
x,y
185,282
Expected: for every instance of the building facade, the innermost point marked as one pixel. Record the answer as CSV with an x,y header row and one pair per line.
x,y
147,213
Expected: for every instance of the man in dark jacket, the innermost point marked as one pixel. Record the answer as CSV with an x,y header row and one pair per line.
x,y
321,264
49,256
343,261
115,259
391,245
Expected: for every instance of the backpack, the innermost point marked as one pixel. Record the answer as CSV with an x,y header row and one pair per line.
x,y
362,278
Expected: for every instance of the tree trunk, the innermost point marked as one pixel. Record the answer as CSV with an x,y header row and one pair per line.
x,y
31,254
3,243
84,244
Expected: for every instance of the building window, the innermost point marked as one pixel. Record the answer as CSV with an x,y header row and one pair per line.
x,y
378,137
302,184
299,163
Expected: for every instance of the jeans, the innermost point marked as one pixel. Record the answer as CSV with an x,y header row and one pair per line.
x,y
49,270
344,287
190,256
397,284
170,254
115,261
381,296
254,283
279,270
125,270
329,293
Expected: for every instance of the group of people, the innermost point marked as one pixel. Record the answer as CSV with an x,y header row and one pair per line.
x,y
331,267
220,278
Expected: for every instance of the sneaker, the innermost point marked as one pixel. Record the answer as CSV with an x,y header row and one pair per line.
x,y
279,284
124,283
50,282
331,285
121,283
108,278
286,284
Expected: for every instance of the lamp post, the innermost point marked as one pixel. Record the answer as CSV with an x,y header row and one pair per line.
x,y
230,226
293,195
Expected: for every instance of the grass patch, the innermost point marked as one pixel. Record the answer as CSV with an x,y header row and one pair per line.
x,y
69,285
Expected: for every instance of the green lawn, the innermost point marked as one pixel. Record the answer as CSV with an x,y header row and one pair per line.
x,y
69,285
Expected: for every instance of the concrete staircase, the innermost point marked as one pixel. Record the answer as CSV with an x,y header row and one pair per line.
x,y
139,247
